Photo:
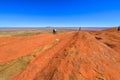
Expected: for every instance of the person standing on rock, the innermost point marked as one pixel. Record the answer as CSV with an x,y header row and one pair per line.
x,y
118,28
54,31
79,28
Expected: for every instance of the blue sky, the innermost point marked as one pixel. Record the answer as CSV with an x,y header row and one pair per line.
x,y
59,13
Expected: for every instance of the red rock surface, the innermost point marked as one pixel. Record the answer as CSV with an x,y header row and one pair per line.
x,y
76,56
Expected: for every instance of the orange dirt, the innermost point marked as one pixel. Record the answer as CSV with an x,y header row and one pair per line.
x,y
20,46
76,56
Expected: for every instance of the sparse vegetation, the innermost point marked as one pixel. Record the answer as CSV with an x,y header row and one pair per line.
x,y
14,67
22,33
